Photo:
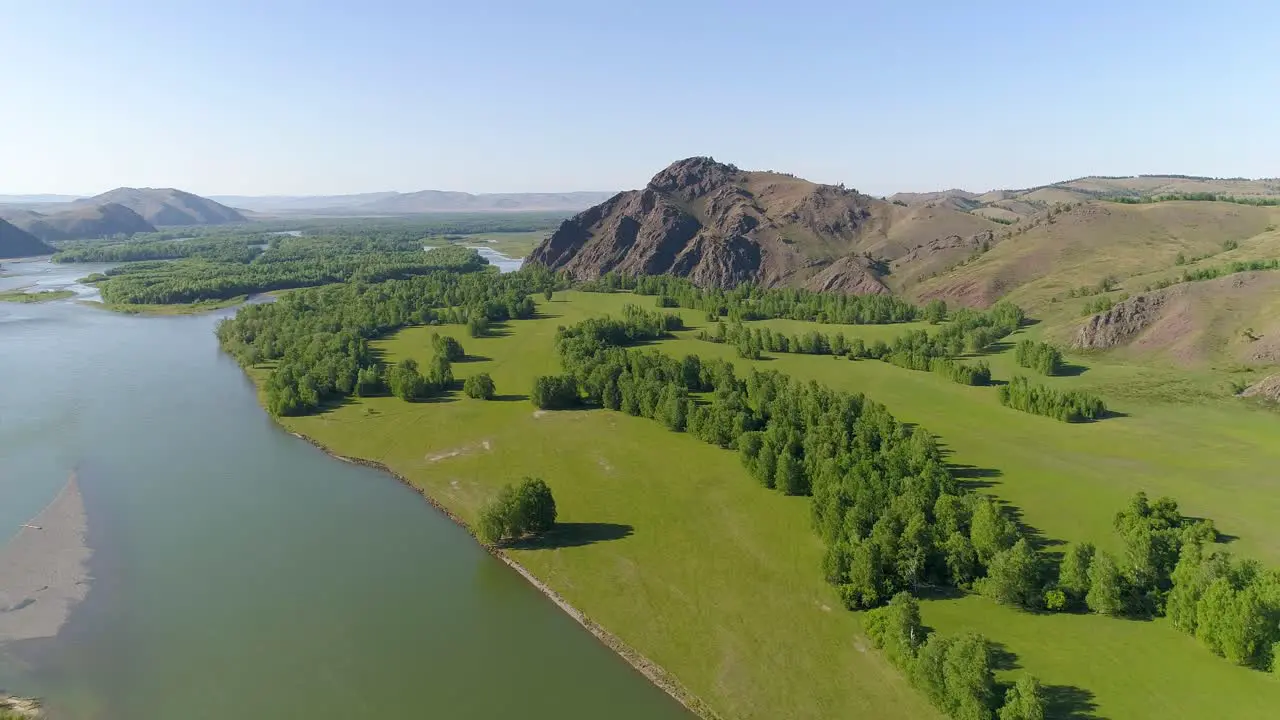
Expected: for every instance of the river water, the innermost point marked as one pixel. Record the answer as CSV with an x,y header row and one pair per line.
x,y
239,572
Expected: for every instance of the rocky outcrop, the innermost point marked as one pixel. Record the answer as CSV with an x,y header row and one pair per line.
x,y
721,226
1267,389
1122,323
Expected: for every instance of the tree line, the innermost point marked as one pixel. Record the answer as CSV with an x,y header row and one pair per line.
x,y
1065,405
241,249
749,301
967,331
318,338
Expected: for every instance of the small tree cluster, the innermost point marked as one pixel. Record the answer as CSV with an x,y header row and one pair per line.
x,y
554,392
447,347
516,512
1067,406
955,672
479,386
1041,357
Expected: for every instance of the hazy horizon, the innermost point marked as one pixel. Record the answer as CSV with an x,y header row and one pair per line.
x,y
321,98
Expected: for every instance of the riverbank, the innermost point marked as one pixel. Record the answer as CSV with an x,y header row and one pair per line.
x,y
43,571
651,670
22,296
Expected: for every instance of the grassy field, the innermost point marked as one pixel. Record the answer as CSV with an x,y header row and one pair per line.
x,y
511,244
175,309
671,546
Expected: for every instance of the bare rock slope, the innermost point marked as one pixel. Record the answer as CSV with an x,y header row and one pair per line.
x,y
721,226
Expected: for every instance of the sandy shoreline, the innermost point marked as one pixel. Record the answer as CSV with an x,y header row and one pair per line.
x,y
43,569
659,677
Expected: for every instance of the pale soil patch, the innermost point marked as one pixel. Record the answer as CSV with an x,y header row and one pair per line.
x,y
484,445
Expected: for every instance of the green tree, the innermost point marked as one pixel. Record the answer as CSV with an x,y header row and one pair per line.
x,y
479,386
1106,586
896,628
1073,575
935,311
990,530
450,348
517,512
1023,701
405,382
1013,576
968,678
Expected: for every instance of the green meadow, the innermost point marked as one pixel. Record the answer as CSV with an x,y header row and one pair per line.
x,y
670,545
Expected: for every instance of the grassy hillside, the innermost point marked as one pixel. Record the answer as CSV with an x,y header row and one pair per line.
x,y
718,581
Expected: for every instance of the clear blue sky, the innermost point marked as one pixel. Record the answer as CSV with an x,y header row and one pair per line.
x,y
285,97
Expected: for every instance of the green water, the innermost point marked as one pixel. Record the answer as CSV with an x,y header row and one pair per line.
x,y
239,572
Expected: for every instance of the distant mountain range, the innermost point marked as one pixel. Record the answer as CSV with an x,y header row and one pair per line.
x,y
123,211
424,201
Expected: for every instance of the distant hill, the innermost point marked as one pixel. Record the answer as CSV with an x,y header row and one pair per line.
x,y
1013,205
721,226
16,242
167,206
79,222
425,201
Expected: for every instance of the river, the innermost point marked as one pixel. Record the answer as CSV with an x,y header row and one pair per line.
x,y
238,571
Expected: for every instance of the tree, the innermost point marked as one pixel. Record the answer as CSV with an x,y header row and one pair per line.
x,y
450,348
935,311
555,392
1106,586
479,386
990,530
896,628
1073,575
405,382
967,676
1013,576
478,325
537,508
440,372
516,512
1023,701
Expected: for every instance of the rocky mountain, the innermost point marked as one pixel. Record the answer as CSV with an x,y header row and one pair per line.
x,y
721,226
167,206
80,222
16,242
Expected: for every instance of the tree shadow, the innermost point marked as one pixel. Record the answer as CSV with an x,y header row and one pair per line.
x,y
509,398
1071,370
1001,657
1220,536
469,358
574,535
972,477
1068,702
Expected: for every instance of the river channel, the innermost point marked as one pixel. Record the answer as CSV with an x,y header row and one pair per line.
x,y
237,571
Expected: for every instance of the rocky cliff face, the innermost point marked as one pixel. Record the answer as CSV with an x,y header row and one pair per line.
x,y
721,226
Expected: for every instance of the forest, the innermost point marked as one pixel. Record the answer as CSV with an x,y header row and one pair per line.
x,y
285,265
752,302
318,338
